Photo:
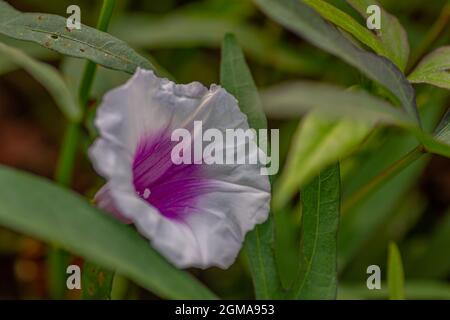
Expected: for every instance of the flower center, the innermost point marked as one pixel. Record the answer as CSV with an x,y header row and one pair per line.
x,y
172,189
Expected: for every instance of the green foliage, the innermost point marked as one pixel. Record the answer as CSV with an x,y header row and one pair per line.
x,y
347,23
59,216
392,34
395,274
237,79
348,131
51,32
321,207
316,144
414,290
48,77
361,222
430,263
296,98
434,69
301,19
235,76
96,282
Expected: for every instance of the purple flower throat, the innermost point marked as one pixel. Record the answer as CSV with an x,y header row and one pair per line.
x,y
173,189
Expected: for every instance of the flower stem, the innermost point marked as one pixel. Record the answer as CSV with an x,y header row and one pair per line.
x,y
379,180
57,257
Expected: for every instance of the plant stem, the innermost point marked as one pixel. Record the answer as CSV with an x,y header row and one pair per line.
x,y
435,32
379,180
57,258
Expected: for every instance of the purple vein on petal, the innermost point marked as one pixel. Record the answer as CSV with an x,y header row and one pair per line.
x,y
172,189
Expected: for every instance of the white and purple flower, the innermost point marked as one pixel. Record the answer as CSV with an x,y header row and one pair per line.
x,y
196,215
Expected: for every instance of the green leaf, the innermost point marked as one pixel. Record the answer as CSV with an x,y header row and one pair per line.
x,y
259,246
439,142
404,215
395,274
236,78
347,23
205,30
48,76
415,290
296,98
433,261
31,49
51,32
317,144
442,132
56,215
434,69
96,282
320,217
360,224
392,34
303,20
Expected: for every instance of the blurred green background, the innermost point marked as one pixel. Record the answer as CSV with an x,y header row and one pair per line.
x,y
183,37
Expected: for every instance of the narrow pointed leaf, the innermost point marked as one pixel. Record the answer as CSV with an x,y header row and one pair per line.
x,y
293,99
303,20
396,281
317,144
259,247
392,34
434,69
320,217
46,75
349,24
236,78
204,30
56,215
51,32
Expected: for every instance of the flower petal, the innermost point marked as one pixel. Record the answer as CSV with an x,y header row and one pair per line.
x,y
196,215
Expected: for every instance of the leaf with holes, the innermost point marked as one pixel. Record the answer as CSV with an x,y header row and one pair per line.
x,y
51,32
